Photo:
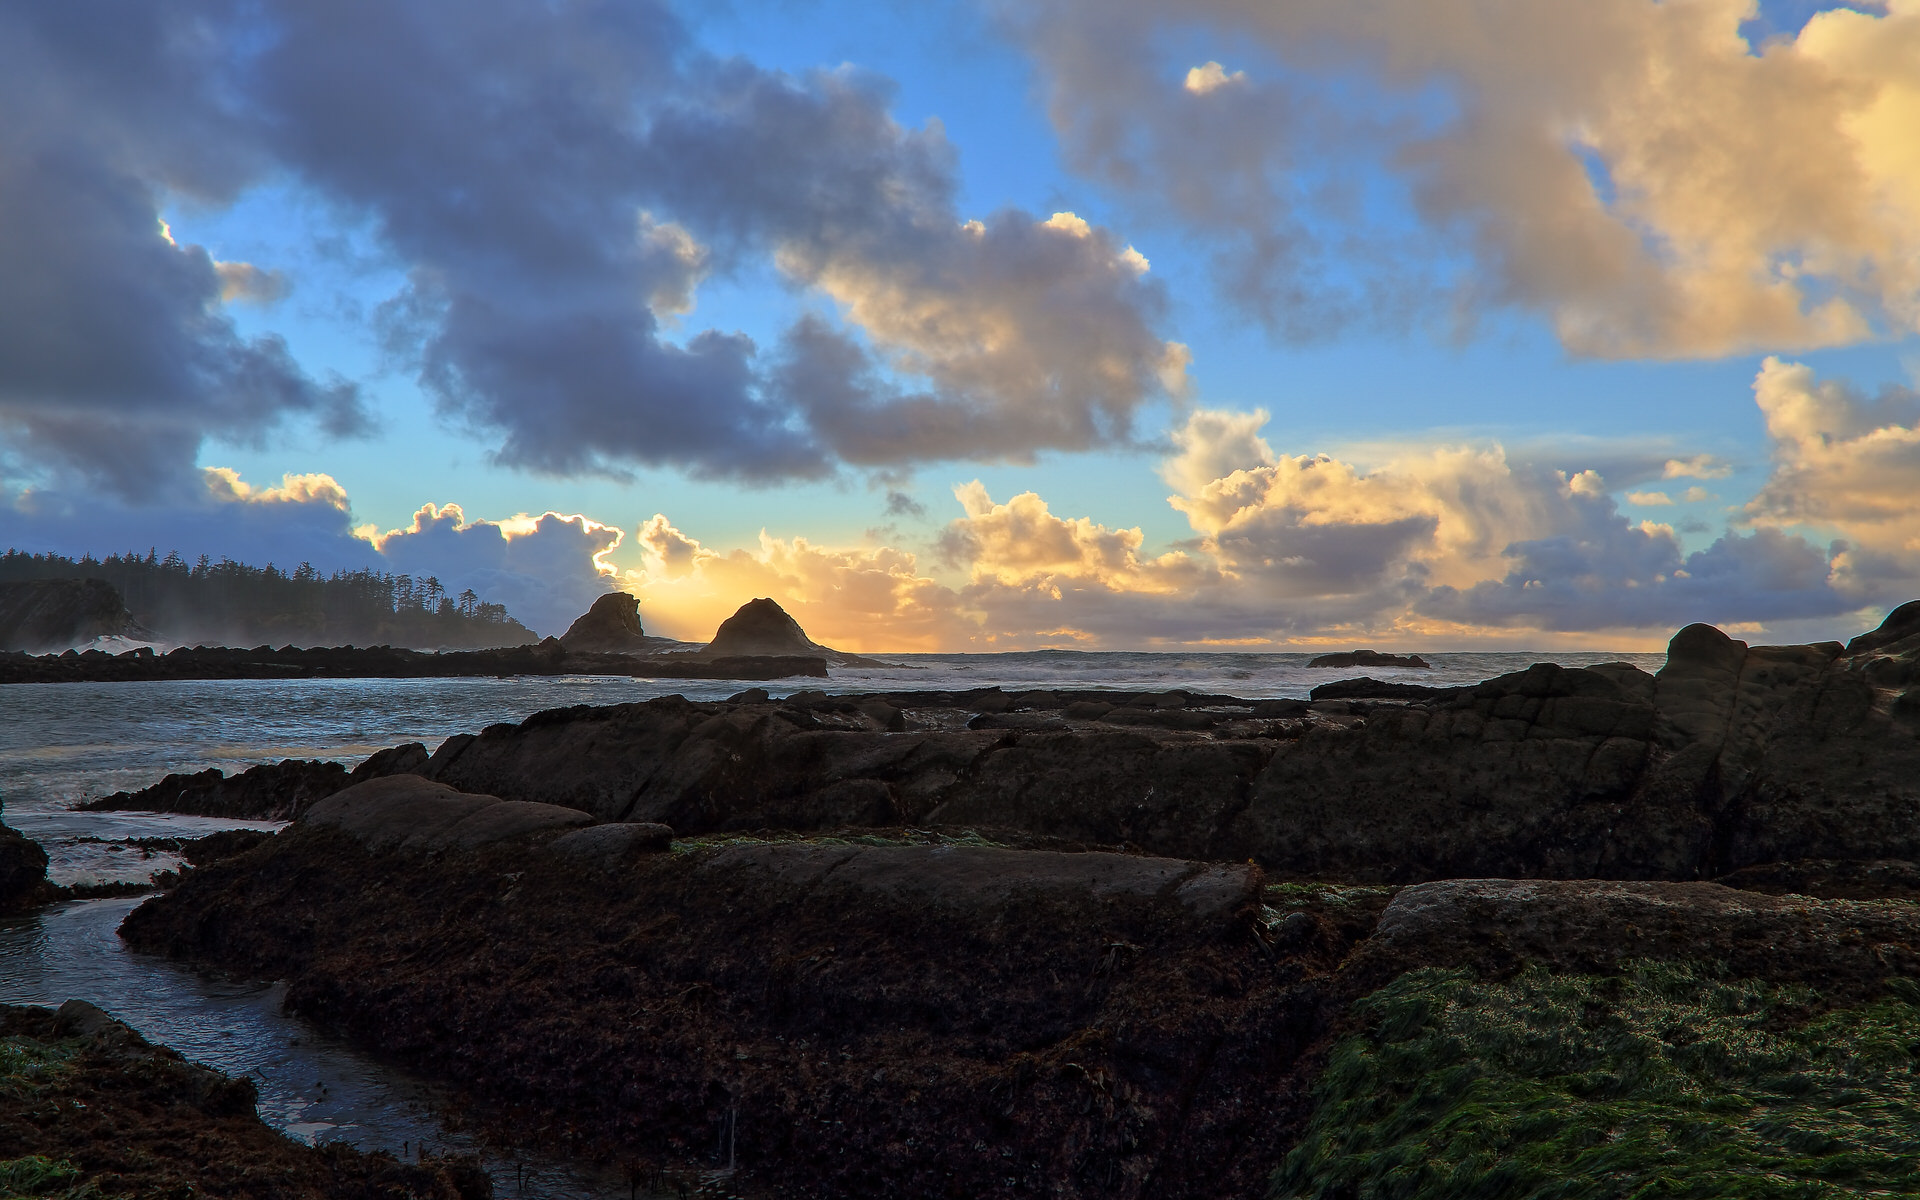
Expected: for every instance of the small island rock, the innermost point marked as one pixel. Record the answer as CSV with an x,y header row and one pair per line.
x,y
1371,658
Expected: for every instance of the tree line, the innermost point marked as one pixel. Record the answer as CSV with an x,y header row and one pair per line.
x,y
232,603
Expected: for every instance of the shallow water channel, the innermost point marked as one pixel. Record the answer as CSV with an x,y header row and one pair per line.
x,y
314,1087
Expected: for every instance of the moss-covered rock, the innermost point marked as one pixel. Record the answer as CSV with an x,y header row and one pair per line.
x,y
1663,1081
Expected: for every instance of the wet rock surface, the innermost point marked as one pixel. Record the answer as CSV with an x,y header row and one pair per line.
x,y
870,1017
23,872
1731,757
89,1108
272,792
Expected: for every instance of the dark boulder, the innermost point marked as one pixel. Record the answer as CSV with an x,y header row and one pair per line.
x,y
1901,626
23,871
270,792
1374,689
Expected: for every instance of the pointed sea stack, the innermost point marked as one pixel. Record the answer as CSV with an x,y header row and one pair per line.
x,y
762,627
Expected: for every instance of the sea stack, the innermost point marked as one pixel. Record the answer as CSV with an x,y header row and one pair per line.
x,y
612,626
762,628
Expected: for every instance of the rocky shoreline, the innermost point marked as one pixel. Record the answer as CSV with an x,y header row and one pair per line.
x,y
89,1109
387,662
1079,944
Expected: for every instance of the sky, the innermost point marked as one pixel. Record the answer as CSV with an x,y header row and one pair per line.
x,y
973,325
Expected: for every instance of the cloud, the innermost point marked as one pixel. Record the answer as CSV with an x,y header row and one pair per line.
x,y
1637,173
116,360
556,181
305,518
1700,466
547,570
1430,546
1211,76
983,338
1841,461
859,598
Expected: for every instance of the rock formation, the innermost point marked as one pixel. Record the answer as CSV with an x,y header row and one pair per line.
x,y
23,871
762,627
89,1108
612,626
54,614
1371,658
384,662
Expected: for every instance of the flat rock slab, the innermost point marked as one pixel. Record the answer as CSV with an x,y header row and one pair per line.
x,y
409,812
975,877
1600,923
611,844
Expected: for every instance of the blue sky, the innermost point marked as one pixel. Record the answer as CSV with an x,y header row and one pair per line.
x,y
1507,287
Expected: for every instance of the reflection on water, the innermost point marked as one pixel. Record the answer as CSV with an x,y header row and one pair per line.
x,y
313,1086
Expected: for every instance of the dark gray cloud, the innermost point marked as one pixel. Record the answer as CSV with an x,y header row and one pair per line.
x,y
1634,578
115,357
555,178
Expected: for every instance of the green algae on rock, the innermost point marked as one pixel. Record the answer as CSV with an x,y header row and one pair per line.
x,y
1666,1080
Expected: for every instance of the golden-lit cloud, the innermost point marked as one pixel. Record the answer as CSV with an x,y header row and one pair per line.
x,y
1437,546
859,598
1842,461
1638,172
225,485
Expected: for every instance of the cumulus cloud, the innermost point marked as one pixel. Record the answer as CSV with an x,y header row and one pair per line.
x,y
1011,333
547,570
1841,461
304,518
1438,546
857,598
557,181
1637,172
116,359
